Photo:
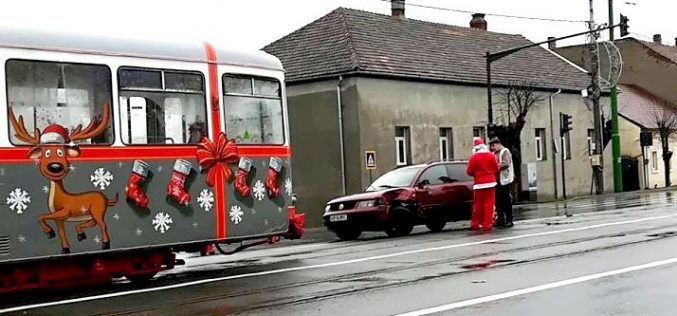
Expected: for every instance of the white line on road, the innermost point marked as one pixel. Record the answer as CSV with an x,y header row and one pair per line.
x,y
324,265
538,288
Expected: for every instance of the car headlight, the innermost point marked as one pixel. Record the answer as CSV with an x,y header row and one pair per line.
x,y
327,209
365,204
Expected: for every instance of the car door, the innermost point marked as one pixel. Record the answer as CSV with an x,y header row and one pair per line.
x,y
461,196
432,189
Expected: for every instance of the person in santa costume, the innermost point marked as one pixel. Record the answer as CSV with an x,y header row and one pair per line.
x,y
482,166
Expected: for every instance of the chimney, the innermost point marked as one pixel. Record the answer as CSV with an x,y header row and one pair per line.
x,y
553,44
657,39
397,8
478,22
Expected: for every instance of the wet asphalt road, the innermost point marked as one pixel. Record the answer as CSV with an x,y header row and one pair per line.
x,y
556,261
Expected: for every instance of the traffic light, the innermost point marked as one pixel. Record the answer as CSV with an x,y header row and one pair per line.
x,y
565,123
624,25
491,131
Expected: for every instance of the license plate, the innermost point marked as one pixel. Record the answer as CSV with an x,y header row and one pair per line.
x,y
338,218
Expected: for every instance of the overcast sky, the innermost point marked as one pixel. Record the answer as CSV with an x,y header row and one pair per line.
x,y
255,23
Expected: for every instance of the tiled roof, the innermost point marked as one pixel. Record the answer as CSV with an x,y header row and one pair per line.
x,y
354,41
669,52
640,106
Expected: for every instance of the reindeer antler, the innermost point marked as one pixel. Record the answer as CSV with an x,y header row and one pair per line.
x,y
20,130
95,127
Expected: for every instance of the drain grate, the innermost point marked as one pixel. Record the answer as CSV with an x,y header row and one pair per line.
x,y
4,245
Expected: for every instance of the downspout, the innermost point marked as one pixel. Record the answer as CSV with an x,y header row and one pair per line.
x,y
341,142
552,145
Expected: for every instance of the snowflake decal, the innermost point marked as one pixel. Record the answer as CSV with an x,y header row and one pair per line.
x,y
101,178
162,222
18,200
288,186
236,214
206,200
259,190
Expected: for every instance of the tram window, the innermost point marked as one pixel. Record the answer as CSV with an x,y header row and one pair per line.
x,y
67,94
253,110
172,113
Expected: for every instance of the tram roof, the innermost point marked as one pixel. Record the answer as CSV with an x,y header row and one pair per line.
x,y
119,46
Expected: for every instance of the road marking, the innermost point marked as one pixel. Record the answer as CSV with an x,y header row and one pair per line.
x,y
538,288
324,265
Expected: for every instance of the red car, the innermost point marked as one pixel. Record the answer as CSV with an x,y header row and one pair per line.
x,y
431,194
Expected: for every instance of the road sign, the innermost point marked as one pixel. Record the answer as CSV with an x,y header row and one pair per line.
x,y
370,159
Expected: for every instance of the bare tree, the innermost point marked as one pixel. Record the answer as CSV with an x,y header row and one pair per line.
x,y
514,103
666,125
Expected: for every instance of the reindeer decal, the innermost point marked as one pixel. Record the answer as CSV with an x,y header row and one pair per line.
x,y
52,147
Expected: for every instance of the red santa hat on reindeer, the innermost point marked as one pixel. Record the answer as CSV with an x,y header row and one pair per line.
x,y
54,134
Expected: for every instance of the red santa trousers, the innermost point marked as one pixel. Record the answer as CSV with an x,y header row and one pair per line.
x,y
483,208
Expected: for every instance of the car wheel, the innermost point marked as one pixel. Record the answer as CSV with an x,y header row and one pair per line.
x,y
400,222
435,223
348,233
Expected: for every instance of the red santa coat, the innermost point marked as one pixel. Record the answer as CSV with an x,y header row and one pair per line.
x,y
483,167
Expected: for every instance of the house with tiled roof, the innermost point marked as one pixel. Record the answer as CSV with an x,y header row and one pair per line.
x,y
648,82
413,92
650,65
640,110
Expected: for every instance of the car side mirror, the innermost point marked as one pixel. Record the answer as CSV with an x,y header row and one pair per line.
x,y
423,183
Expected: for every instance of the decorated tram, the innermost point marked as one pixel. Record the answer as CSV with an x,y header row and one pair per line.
x,y
115,154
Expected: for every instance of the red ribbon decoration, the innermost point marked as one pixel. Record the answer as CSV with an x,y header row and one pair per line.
x,y
215,157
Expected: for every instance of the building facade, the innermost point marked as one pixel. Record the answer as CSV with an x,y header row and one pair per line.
x,y
414,92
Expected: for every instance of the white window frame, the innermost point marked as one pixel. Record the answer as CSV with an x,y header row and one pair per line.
x,y
589,140
538,143
444,149
403,140
654,161
445,144
566,147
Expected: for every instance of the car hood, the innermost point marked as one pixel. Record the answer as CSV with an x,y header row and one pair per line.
x,y
361,196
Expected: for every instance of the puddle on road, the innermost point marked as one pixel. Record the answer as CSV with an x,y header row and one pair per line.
x,y
486,264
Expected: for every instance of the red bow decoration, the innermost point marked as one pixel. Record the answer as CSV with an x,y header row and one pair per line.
x,y
296,224
215,157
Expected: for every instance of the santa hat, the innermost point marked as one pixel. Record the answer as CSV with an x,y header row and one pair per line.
x,y
478,144
477,141
54,134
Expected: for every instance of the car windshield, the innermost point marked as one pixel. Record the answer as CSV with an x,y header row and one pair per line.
x,y
394,179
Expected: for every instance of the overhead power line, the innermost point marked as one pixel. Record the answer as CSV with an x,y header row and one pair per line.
x,y
489,14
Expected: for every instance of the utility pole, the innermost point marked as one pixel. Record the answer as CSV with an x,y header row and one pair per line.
x,y
597,160
615,134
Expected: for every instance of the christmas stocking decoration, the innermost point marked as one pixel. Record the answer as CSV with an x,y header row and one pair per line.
x,y
133,189
241,186
175,188
274,169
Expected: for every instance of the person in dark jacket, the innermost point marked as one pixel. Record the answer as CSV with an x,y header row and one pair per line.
x,y
482,166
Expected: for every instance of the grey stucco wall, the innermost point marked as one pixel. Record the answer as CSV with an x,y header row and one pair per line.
x,y
372,108
425,107
314,133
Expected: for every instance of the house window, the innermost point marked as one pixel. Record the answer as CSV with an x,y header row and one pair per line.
x,y
479,131
253,110
446,144
402,146
68,94
160,106
540,144
654,161
591,135
566,149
